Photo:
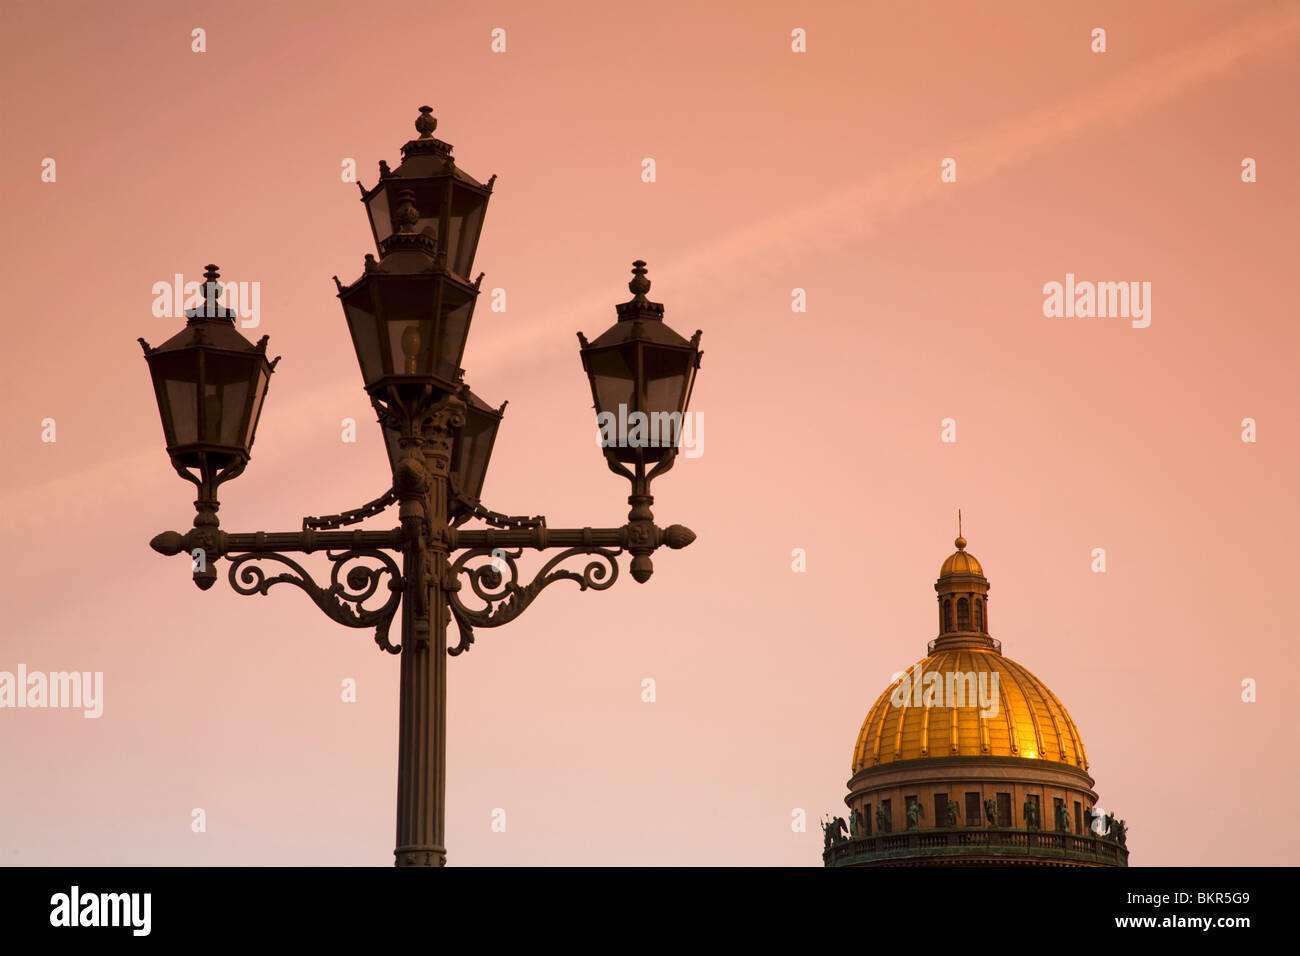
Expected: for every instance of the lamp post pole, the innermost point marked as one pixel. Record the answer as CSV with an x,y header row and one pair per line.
x,y
409,316
422,707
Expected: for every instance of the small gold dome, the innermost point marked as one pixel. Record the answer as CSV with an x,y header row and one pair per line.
x,y
1029,721
959,562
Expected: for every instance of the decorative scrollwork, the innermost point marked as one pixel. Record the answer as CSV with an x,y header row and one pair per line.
x,y
342,601
496,584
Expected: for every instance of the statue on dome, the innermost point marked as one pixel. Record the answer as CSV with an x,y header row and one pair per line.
x,y
1030,810
1119,831
914,812
834,830
883,823
1093,821
991,811
953,810
1062,817
855,823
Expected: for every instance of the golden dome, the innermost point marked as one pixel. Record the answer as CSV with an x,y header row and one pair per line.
x,y
959,562
1022,717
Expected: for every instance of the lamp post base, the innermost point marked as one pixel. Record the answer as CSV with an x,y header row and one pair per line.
x,y
420,856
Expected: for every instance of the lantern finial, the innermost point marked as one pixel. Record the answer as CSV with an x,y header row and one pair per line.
x,y
639,285
426,123
211,287
211,291
639,307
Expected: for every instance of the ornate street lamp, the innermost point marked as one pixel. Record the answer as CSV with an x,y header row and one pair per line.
x,y
409,315
641,367
641,375
209,382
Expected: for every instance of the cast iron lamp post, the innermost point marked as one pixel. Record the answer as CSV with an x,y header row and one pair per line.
x,y
409,315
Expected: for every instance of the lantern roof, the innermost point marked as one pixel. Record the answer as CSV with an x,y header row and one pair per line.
x,y
413,259
425,158
479,404
210,325
639,319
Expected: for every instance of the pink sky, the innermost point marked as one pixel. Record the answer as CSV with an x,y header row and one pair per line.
x,y
776,171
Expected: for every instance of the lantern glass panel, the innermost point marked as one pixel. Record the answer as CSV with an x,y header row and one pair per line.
x,y
256,412
664,372
377,208
210,420
463,229
182,390
455,332
473,449
365,334
612,378
409,307
225,399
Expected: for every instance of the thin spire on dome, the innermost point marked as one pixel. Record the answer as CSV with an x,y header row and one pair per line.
x,y
960,542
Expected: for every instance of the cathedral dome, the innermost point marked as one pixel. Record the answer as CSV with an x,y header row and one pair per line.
x,y
965,699
1014,716
967,759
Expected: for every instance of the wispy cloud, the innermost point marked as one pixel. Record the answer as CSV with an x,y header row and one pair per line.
x,y
852,213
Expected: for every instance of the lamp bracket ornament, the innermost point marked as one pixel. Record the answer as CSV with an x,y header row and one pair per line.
x,y
422,417
504,599
342,600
